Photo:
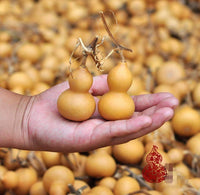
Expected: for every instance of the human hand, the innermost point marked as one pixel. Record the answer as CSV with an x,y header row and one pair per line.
x,y
46,129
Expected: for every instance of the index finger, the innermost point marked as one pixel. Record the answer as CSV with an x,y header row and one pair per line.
x,y
143,102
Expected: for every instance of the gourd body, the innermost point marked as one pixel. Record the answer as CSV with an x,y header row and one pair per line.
x,y
117,104
76,103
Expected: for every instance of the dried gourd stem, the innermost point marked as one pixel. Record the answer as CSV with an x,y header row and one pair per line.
x,y
93,46
121,55
83,61
132,174
70,59
110,34
140,191
12,159
80,190
85,49
100,43
71,165
189,99
73,191
138,178
85,177
84,55
36,163
119,47
90,50
168,144
99,62
76,160
110,53
194,165
22,162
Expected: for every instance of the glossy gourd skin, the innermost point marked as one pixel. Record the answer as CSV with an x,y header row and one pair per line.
x,y
117,104
76,103
56,179
120,78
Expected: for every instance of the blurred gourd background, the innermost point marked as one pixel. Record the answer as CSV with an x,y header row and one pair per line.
x,y
37,38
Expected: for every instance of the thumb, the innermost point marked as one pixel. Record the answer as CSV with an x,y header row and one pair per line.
x,y
99,86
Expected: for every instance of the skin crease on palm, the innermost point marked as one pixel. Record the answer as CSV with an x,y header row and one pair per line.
x,y
45,129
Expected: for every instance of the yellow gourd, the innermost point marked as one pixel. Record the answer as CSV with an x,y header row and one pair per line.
x,y
117,104
76,103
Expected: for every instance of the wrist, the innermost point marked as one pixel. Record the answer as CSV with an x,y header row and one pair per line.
x,y
14,113
21,122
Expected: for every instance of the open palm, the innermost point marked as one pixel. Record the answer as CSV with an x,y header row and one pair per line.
x,y
48,130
